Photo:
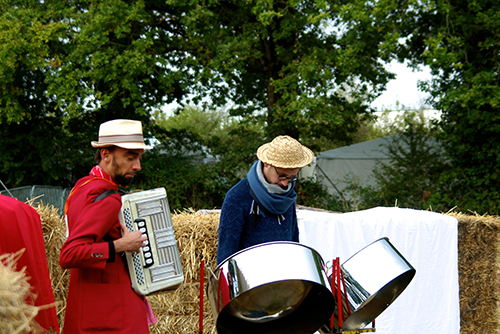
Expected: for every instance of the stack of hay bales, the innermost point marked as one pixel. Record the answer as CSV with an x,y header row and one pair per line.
x,y
479,273
17,315
178,311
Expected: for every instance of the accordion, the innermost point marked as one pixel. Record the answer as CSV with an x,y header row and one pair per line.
x,y
157,266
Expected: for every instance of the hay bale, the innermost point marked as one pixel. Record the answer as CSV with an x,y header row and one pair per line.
x,y
479,269
17,315
178,310
54,230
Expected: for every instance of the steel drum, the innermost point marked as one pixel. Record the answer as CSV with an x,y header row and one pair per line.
x,y
374,277
275,287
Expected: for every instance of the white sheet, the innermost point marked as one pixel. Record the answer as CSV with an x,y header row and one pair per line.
x,y
427,240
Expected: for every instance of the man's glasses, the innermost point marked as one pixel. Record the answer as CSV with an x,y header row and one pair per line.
x,y
283,177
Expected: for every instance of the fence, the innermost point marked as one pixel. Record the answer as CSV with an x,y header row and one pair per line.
x,y
55,196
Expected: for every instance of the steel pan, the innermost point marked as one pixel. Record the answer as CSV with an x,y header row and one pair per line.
x,y
276,287
375,276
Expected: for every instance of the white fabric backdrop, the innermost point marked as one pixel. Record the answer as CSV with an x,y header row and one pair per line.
x,y
427,240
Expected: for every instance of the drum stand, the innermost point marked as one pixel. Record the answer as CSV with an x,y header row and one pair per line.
x,y
343,307
356,331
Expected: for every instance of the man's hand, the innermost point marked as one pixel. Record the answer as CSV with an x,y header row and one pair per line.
x,y
130,241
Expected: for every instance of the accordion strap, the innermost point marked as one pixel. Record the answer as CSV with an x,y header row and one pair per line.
x,y
101,197
106,194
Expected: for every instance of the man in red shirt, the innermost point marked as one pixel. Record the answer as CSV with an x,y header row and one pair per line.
x,y
100,297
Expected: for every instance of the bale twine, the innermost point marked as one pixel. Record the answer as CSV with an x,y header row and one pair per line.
x,y
479,269
17,315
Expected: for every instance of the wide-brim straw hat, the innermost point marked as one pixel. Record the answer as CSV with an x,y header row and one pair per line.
x,y
285,152
123,133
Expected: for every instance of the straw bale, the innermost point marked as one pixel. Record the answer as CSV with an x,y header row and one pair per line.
x,y
17,315
479,269
178,311
54,230
181,301
196,234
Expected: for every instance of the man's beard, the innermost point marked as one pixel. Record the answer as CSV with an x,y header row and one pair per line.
x,y
122,180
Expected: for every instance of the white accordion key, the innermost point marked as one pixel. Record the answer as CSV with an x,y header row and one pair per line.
x,y
157,267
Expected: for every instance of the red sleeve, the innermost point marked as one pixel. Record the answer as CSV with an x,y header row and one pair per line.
x,y
88,222
20,227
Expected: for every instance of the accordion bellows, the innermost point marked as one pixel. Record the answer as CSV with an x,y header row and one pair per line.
x,y
158,266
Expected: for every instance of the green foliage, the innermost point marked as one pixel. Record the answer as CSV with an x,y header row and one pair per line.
x,y
393,121
308,69
201,155
178,165
233,142
66,68
32,137
413,177
278,61
204,124
114,63
30,38
311,194
459,41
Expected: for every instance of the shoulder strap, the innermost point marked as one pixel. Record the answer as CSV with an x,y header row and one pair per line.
x,y
106,194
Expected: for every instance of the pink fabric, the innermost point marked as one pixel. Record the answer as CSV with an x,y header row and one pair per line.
x,y
152,319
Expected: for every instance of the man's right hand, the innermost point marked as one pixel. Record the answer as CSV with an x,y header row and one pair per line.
x,y
130,241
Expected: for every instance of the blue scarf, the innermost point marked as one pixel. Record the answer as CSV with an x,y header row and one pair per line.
x,y
277,204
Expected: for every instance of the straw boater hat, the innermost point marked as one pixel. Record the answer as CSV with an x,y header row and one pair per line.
x,y
123,133
285,152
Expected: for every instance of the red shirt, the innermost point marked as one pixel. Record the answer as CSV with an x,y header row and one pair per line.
x,y
100,296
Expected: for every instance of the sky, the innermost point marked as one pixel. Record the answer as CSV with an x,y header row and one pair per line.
x,y
404,88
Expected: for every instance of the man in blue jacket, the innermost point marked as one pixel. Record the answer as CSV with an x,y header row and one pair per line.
x,y
261,207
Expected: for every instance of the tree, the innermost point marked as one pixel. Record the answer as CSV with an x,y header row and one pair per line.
x,y
66,68
32,138
305,68
125,59
120,64
459,41
413,175
200,156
